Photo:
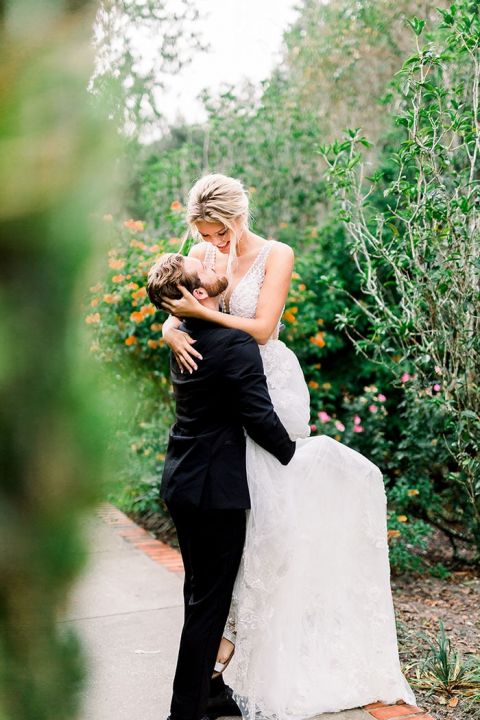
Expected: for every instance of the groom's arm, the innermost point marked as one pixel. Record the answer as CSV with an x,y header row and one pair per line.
x,y
247,389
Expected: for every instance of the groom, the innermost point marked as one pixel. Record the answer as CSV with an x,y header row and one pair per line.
x,y
204,483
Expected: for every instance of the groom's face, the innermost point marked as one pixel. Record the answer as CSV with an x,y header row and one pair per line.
x,y
212,283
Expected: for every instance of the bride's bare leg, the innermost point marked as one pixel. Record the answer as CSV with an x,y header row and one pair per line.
x,y
224,655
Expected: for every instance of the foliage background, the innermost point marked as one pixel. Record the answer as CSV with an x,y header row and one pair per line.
x,y
344,65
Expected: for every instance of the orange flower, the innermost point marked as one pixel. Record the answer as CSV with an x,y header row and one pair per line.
x,y
134,225
156,327
138,244
140,293
147,310
94,302
402,518
413,492
320,321
96,288
131,340
176,205
118,278
393,533
154,248
93,319
136,317
174,241
132,286
318,340
302,287
289,316
283,225
110,299
152,344
116,263
295,276
313,384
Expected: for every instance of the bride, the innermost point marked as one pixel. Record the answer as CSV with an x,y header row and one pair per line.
x,y
312,620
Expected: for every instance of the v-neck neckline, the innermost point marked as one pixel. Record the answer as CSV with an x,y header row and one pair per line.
x,y
227,299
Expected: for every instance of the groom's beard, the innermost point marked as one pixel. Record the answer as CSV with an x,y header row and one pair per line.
x,y
216,288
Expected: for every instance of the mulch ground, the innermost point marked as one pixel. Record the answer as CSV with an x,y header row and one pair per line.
x,y
421,602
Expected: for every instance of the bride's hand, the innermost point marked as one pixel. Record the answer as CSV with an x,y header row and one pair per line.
x,y
186,306
181,344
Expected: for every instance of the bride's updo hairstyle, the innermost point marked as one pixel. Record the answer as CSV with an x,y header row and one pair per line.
x,y
220,199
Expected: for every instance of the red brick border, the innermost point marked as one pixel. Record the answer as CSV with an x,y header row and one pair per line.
x,y
171,559
380,711
157,550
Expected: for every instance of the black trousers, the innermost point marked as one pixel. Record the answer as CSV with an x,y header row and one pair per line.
x,y
211,543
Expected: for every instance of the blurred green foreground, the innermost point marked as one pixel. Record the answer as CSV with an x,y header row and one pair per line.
x,y
55,168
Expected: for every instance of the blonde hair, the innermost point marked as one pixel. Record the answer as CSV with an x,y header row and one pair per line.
x,y
221,199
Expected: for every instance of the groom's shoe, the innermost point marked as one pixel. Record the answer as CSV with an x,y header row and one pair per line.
x,y
222,704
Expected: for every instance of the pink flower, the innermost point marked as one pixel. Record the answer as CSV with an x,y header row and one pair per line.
x,y
339,425
381,397
405,377
357,420
358,428
438,370
313,428
324,416
437,387
372,408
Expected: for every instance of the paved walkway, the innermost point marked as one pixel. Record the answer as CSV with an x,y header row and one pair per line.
x,y
127,608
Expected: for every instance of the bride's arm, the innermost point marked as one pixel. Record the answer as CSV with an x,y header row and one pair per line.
x,y
179,342
273,294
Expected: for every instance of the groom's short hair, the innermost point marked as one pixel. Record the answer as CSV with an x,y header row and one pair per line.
x,y
164,276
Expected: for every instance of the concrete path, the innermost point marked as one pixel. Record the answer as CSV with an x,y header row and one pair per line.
x,y
127,609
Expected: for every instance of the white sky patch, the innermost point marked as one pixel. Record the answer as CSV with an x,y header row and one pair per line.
x,y
245,37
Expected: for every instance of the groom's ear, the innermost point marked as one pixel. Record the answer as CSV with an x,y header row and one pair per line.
x,y
200,293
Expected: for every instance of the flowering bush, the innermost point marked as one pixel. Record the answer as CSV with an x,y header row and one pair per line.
x,y
126,334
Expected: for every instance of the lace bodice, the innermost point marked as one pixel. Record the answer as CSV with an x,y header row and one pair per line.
x,y
244,298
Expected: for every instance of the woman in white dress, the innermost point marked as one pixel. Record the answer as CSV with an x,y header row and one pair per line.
x,y
312,620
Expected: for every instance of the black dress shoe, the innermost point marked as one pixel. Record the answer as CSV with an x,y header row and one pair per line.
x,y
222,704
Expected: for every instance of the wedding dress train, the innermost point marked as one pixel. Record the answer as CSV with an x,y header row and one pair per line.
x,y
312,605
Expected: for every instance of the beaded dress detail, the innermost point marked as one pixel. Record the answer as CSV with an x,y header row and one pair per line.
x,y
312,613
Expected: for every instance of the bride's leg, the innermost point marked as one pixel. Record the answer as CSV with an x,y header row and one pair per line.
x,y
227,644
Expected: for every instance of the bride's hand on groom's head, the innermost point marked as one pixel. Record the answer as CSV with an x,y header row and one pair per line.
x,y
186,306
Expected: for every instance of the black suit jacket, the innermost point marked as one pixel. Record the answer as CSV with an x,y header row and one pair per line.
x,y
205,461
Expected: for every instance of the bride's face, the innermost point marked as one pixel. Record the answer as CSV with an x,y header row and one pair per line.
x,y
217,233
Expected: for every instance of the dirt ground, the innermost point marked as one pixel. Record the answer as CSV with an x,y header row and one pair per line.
x,y
421,602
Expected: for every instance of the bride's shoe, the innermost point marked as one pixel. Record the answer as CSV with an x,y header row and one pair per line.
x,y
223,658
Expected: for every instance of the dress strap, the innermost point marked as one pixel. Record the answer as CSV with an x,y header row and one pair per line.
x,y
257,268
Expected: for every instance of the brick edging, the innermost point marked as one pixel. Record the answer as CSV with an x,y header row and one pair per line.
x,y
381,711
145,541
171,559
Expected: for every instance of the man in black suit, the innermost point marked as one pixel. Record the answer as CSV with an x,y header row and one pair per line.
x,y
204,483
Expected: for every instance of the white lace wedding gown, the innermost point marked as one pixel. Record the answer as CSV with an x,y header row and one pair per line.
x,y
312,605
